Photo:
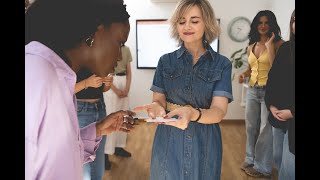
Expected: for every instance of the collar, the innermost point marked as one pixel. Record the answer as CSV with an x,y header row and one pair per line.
x,y
209,51
39,49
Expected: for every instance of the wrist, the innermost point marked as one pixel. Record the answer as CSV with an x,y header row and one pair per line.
x,y
199,116
98,131
85,84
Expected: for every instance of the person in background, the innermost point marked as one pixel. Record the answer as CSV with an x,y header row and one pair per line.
x,y
264,41
91,108
193,84
280,100
118,99
57,45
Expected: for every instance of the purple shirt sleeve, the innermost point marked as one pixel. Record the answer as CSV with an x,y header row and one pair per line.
x,y
90,142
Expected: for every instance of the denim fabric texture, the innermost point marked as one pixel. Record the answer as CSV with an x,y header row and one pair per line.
x,y
196,152
89,113
287,169
278,137
259,131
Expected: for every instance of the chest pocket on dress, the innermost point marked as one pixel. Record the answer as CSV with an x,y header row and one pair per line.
x,y
209,75
171,73
172,81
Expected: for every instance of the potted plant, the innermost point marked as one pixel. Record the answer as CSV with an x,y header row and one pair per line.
x,y
239,59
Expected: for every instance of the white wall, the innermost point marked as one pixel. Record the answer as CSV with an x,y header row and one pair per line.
x,y
226,10
283,16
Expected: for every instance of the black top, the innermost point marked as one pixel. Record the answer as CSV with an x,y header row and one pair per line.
x,y
280,90
90,92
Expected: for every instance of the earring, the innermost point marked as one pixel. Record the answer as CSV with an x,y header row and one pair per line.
x,y
89,41
205,44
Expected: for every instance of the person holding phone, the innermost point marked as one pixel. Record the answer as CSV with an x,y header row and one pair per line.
x,y
264,41
61,37
193,83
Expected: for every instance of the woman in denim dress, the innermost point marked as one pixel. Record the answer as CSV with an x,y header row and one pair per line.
x,y
194,84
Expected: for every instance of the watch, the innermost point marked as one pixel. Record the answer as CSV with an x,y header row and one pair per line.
x,y
239,28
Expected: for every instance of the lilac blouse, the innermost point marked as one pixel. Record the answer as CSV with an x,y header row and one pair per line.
x,y
55,146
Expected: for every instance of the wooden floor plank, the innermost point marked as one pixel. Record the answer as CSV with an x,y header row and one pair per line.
x,y
139,143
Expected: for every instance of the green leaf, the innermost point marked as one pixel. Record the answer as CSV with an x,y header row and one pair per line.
x,y
235,53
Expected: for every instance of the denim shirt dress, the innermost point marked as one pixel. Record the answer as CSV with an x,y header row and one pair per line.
x,y
196,152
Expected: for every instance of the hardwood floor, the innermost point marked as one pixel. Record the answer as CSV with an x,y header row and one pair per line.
x,y
140,140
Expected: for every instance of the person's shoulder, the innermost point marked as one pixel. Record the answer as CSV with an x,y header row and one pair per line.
x,y
224,60
170,55
250,47
279,43
126,48
284,46
38,67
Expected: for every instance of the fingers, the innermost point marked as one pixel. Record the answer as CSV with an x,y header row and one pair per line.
x,y
142,108
171,114
276,116
126,127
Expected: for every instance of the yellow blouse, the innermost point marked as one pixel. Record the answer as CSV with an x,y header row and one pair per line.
x,y
259,68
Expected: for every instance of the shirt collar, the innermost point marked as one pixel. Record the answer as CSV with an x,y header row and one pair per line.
x,y
182,50
39,49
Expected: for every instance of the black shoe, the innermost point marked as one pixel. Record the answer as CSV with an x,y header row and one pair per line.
x,y
121,152
107,164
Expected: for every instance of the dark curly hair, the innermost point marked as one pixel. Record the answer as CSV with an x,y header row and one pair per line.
x,y
64,24
254,35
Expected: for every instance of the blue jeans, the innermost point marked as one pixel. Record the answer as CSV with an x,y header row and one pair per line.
x,y
278,137
87,114
287,169
259,131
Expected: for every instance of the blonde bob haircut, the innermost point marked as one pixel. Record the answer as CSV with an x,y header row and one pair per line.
x,y
211,30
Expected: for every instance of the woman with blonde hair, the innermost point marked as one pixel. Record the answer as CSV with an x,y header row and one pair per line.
x,y
193,84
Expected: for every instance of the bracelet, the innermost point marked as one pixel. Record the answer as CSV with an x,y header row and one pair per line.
x,y
200,114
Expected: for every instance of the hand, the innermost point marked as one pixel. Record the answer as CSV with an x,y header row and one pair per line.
x,y
119,93
284,114
273,110
108,80
269,42
123,94
184,113
154,110
94,81
117,121
241,78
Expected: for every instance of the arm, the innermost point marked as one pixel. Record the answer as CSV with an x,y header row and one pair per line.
x,y
272,48
92,81
217,111
80,86
107,82
247,72
129,77
116,90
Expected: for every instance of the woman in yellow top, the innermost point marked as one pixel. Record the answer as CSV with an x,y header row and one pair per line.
x,y
264,41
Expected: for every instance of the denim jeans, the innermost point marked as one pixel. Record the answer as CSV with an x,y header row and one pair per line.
x,y
278,137
287,169
87,114
259,131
